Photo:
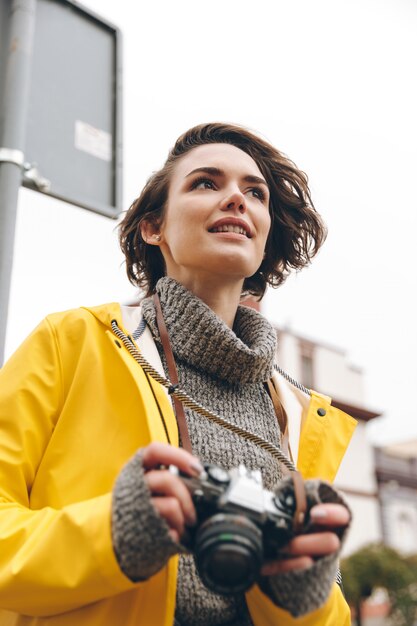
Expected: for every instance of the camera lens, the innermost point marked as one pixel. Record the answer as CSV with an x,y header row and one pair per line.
x,y
228,552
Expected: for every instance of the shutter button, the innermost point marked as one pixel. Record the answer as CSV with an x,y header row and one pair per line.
x,y
321,412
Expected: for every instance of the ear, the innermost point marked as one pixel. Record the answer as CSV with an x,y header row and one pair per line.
x,y
150,232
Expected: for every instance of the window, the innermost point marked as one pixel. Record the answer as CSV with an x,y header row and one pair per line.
x,y
307,363
307,371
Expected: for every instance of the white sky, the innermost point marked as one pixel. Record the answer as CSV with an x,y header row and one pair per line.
x,y
332,84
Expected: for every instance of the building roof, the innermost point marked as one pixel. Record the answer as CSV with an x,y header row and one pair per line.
x,y
358,412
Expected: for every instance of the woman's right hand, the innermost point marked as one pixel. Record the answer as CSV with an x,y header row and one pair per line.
x,y
169,496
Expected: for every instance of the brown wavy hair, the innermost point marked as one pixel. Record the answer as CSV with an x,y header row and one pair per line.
x,y
296,234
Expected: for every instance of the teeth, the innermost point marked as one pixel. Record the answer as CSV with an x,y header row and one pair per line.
x,y
229,228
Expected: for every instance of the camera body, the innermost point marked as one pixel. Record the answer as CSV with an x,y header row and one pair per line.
x,y
240,525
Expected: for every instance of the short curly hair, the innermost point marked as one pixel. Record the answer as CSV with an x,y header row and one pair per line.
x,y
297,230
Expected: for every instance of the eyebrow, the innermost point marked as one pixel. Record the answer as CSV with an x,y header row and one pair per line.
x,y
215,171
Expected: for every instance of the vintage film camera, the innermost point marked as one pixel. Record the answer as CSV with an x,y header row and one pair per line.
x,y
241,524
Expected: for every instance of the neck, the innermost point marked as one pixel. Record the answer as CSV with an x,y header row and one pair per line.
x,y
223,298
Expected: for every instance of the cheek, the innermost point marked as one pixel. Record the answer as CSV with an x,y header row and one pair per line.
x,y
266,227
179,213
179,232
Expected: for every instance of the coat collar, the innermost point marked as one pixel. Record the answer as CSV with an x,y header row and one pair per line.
x,y
105,313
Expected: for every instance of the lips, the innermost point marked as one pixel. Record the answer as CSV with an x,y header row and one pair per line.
x,y
231,225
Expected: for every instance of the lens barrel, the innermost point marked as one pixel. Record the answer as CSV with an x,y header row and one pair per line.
x,y
228,552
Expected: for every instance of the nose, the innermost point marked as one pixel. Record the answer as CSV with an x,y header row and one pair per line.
x,y
236,201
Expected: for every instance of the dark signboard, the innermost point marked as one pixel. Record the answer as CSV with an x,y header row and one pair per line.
x,y
73,133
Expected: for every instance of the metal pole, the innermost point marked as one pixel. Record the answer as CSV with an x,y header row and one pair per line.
x,y
13,109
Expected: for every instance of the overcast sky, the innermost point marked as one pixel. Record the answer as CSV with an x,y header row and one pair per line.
x,y
332,84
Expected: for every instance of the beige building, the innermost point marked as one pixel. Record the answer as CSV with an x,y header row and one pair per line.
x,y
396,471
327,370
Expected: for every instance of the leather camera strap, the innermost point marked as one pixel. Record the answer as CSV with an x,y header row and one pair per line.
x,y
297,479
179,409
300,501
173,375
281,417
299,489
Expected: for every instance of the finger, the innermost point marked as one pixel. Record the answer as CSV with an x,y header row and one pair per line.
x,y
174,534
163,483
286,565
169,509
315,544
158,453
330,515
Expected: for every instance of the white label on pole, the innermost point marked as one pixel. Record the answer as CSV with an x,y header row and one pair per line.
x,y
93,140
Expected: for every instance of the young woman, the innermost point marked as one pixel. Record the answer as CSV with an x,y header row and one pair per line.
x,y
91,520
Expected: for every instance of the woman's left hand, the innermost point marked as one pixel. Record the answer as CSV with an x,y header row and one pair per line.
x,y
301,552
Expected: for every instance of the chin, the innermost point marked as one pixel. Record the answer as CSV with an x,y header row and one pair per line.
x,y
238,265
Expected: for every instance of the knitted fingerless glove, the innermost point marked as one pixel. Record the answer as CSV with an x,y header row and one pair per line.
x,y
140,535
303,591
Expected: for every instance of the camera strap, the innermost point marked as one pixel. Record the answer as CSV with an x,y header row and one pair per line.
x,y
300,497
173,374
281,417
178,407
298,482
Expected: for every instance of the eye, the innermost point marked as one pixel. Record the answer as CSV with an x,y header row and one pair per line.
x,y
203,183
258,192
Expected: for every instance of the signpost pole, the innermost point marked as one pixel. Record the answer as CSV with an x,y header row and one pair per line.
x,y
13,108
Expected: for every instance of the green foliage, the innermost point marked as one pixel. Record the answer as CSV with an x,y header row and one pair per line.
x,y
378,566
412,563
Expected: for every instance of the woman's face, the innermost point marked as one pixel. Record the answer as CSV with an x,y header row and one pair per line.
x,y
216,220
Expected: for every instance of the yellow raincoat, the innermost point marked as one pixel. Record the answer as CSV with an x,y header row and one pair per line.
x,y
74,406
